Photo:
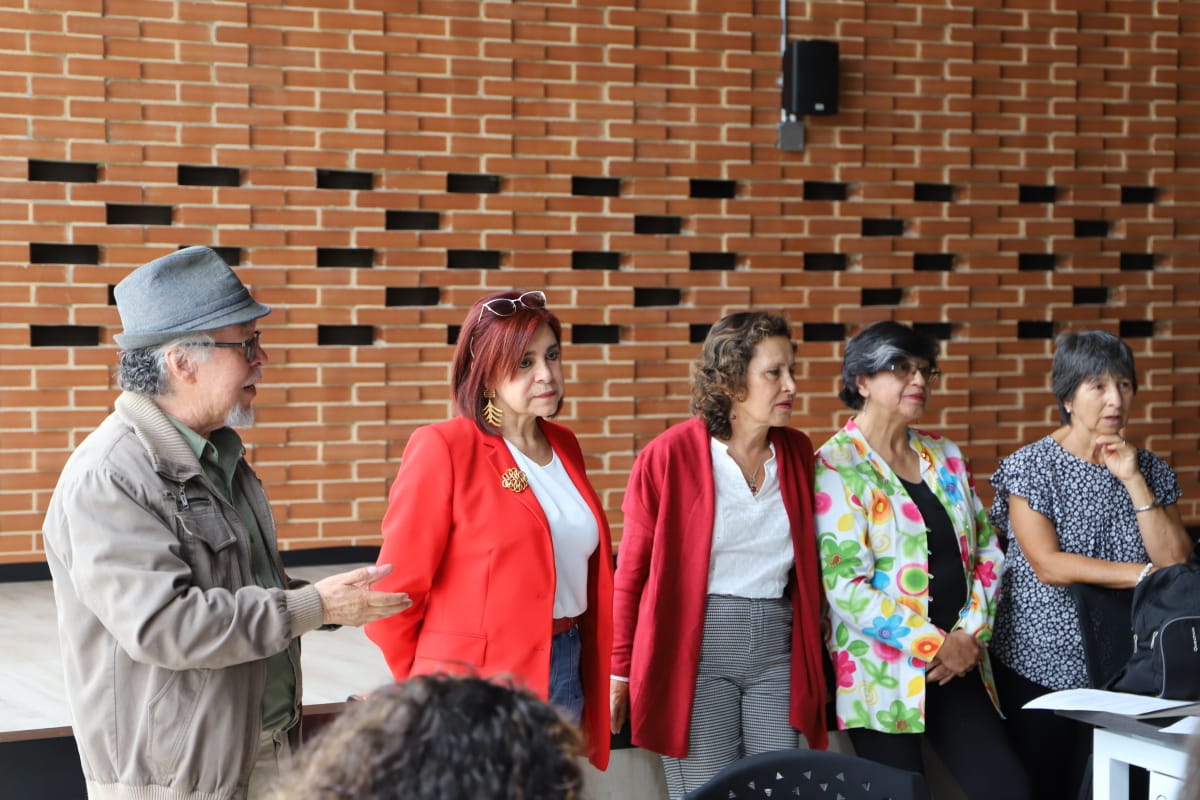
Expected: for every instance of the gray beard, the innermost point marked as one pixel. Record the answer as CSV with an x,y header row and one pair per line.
x,y
240,417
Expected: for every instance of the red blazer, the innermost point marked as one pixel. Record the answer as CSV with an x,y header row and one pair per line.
x,y
477,560
661,587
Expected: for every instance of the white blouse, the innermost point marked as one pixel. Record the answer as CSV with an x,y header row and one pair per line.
x,y
752,553
573,529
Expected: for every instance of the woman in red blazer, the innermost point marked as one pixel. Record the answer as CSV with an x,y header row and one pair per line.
x,y
717,650
495,532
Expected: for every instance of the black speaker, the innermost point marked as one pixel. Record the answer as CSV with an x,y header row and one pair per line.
x,y
810,77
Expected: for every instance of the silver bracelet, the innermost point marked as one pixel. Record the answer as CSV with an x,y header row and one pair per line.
x,y
1145,571
1155,503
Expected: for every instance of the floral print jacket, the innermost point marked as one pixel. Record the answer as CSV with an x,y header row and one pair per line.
x,y
875,568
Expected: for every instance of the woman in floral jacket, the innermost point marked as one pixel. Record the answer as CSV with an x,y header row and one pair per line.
x,y
911,569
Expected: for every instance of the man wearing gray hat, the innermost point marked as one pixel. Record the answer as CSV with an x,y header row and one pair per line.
x,y
179,627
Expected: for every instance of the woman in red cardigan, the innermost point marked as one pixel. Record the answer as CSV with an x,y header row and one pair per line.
x,y
496,533
717,649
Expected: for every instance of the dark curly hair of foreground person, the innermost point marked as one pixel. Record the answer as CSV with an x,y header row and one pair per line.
x,y
440,736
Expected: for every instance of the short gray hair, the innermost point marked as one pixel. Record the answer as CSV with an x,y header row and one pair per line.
x,y
875,349
1081,356
144,370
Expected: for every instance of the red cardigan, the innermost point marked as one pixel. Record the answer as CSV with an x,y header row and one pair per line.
x,y
477,560
661,584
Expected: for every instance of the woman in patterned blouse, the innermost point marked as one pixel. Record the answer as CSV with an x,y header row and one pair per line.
x,y
1080,505
911,569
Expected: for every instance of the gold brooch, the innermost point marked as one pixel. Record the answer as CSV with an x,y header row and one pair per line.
x,y
514,480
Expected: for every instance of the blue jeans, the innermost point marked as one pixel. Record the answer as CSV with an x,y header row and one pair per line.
x,y
566,685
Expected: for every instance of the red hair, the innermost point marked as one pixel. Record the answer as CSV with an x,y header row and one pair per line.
x,y
490,349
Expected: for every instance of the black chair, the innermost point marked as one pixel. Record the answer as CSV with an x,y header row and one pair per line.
x,y
1107,628
1104,621
795,773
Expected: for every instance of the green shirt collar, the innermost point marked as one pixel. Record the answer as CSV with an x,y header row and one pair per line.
x,y
221,452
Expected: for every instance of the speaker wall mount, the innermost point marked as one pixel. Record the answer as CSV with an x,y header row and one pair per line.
x,y
810,87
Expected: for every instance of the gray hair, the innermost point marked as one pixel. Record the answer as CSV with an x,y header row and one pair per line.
x,y
144,370
1083,356
875,349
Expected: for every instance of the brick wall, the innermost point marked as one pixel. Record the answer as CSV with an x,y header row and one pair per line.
x,y
998,171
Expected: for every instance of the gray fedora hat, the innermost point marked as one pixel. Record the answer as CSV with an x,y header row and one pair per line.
x,y
189,291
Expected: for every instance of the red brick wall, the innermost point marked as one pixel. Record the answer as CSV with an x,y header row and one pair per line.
x,y
1002,106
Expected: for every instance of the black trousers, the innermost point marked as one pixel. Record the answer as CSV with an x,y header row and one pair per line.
x,y
1055,750
965,731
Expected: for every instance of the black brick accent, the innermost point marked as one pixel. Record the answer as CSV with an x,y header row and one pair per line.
x,y
1091,228
715,189
882,297
595,334
47,253
872,226
473,259
1035,330
345,179
596,187
63,171
472,184
698,332
655,296
358,257
208,176
411,296
1037,194
938,330
1139,194
1036,262
712,261
933,192
345,335
412,220
825,262
64,335
1136,328
1089,295
825,190
120,214
1137,262
652,223
595,259
824,331
933,262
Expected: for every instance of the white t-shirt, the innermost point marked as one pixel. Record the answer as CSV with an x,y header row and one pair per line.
x,y
574,532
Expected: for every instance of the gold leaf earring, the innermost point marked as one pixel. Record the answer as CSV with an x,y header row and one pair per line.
x,y
492,413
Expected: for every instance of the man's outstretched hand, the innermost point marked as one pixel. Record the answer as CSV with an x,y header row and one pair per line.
x,y
349,600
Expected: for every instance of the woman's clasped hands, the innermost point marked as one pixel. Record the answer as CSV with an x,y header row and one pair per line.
x,y
959,654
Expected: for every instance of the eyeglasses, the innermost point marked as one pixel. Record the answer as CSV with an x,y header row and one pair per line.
x,y
506,307
250,346
905,369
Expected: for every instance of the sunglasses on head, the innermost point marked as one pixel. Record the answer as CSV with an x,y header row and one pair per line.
x,y
506,307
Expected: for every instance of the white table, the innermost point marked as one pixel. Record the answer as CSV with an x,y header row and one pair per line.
x,y
1120,741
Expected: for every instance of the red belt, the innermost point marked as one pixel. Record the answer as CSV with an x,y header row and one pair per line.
x,y
563,624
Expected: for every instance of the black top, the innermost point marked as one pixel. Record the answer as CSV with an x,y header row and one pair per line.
x,y
947,576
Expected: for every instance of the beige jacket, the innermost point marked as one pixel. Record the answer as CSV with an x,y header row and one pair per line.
x,y
163,630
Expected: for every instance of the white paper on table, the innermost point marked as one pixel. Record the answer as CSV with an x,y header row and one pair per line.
x,y
1132,705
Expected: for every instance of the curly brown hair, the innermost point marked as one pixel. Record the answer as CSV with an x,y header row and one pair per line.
x,y
719,374
439,736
